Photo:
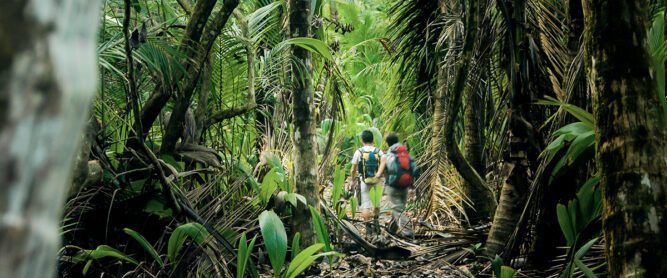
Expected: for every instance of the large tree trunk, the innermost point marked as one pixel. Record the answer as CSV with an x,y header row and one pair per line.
x,y
47,78
303,119
630,138
521,133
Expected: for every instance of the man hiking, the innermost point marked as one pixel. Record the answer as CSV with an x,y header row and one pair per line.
x,y
365,162
401,174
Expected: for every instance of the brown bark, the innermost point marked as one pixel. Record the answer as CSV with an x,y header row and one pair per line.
x,y
631,146
44,97
159,97
303,120
479,197
172,134
462,165
521,133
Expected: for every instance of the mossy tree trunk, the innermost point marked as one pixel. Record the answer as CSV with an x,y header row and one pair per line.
x,y
630,138
47,78
303,121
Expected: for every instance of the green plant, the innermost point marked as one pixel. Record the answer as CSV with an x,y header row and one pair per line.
x,y
268,186
321,232
353,206
145,244
581,135
375,194
500,270
193,230
101,251
275,239
244,252
475,250
339,180
574,218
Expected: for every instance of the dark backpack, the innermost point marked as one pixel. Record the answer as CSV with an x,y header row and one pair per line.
x,y
368,165
401,167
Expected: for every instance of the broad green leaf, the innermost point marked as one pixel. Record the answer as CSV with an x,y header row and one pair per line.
x,y
193,230
269,185
145,244
507,272
302,260
565,224
275,239
312,45
580,114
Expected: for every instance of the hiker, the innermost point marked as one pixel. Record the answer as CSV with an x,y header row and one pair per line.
x,y
366,161
401,172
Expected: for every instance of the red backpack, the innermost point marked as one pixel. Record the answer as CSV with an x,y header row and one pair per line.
x,y
400,166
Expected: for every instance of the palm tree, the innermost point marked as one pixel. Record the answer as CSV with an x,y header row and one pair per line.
x,y
303,120
45,96
630,137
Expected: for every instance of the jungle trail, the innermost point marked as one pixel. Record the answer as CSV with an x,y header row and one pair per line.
x,y
338,138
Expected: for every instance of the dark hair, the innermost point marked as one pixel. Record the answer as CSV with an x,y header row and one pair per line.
x,y
391,139
367,136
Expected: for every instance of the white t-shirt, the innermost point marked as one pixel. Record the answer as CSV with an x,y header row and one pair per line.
x,y
357,154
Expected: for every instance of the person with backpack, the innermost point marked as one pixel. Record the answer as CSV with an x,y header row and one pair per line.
x,y
365,162
401,174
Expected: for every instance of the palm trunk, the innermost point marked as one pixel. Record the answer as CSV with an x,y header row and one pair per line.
x,y
630,138
515,188
44,97
474,145
303,120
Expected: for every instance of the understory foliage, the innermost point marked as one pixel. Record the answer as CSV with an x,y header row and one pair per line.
x,y
189,169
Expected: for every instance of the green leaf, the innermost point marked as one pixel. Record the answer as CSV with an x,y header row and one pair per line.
x,y
507,272
497,264
580,254
565,224
193,230
302,260
375,194
339,180
588,205
580,114
102,251
145,244
269,185
296,245
312,45
321,230
244,252
275,239
353,206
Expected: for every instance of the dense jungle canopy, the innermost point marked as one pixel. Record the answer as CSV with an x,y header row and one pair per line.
x,y
215,138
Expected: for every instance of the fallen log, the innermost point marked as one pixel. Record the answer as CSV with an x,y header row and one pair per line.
x,y
389,253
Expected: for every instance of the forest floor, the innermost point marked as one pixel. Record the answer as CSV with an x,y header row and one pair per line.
x,y
434,252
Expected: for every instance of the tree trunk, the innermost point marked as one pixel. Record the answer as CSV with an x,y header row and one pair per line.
x,y
480,198
521,134
47,78
473,13
303,120
630,138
